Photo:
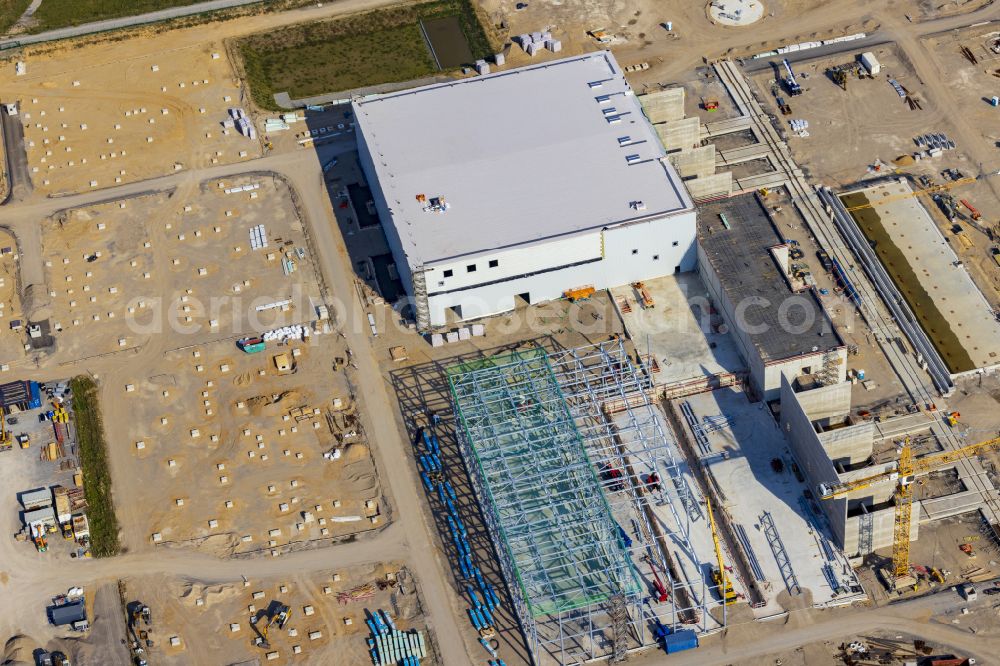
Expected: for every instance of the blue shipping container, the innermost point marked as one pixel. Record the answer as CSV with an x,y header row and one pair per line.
x,y
685,639
34,396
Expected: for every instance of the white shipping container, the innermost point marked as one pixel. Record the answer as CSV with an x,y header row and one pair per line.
x,y
871,63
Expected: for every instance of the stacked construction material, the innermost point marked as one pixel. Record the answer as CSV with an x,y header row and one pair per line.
x,y
389,645
275,125
487,600
258,237
535,41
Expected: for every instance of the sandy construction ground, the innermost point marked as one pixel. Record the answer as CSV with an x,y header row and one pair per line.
x,y
227,465
122,273
212,622
108,114
213,447
849,131
10,301
867,122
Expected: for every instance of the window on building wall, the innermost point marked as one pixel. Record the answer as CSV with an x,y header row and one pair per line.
x,y
448,273
471,268
494,263
676,243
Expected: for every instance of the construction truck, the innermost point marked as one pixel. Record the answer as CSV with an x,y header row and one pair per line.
x,y
791,84
645,299
38,537
251,345
976,215
952,418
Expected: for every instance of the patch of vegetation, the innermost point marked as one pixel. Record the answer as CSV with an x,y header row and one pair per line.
x,y
94,462
382,46
10,11
54,14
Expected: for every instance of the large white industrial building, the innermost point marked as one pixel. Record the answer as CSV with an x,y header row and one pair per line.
x,y
518,186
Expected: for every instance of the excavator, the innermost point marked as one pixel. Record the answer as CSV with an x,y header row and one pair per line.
x,y
276,614
719,575
904,473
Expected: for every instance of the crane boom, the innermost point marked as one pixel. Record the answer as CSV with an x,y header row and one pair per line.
x,y
918,466
715,539
904,471
926,191
720,577
793,86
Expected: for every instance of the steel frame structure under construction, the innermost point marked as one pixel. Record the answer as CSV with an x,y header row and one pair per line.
x,y
552,442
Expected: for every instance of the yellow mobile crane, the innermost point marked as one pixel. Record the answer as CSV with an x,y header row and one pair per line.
x,y
719,576
903,473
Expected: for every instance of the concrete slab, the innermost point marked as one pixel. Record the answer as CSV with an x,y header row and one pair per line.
x,y
696,162
688,533
679,134
710,187
678,332
739,460
663,105
727,126
957,316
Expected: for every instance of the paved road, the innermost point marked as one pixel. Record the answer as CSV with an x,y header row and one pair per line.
x,y
19,177
887,34
125,22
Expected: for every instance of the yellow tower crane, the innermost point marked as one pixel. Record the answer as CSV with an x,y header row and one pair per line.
x,y
719,576
928,191
903,473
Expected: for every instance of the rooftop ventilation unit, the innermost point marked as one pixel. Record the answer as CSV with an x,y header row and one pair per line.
x,y
624,140
632,159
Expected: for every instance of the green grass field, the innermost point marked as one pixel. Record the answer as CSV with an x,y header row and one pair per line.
x,y
54,14
94,462
377,47
10,11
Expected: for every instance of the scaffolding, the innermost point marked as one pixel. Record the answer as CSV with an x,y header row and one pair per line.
x,y
552,441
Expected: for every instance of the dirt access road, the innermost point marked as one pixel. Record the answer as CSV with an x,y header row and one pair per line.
x,y
31,582
27,582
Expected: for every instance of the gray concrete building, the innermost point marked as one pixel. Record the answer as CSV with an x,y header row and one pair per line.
x,y
744,264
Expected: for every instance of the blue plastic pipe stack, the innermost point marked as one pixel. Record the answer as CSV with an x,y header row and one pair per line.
x,y
432,476
388,645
